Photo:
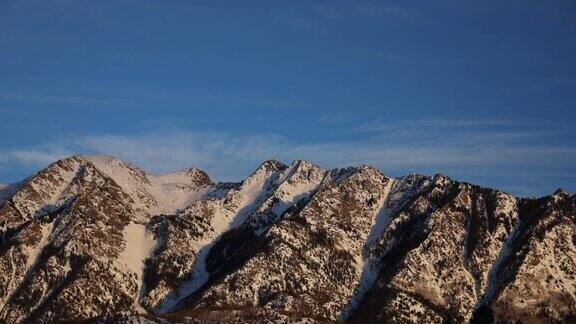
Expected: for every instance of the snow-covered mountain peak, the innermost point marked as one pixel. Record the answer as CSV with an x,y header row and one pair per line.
x,y
440,178
342,174
271,165
561,192
300,167
198,176
304,165
91,236
192,176
150,194
154,194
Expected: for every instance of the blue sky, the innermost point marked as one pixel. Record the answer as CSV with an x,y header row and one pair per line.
x,y
482,91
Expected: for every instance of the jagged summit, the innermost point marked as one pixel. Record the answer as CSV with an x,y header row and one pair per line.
x,y
339,175
272,165
93,237
303,162
107,162
561,191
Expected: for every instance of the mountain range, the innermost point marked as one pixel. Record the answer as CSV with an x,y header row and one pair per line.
x,y
93,238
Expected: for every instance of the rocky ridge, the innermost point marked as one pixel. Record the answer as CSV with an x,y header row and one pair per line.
x,y
94,237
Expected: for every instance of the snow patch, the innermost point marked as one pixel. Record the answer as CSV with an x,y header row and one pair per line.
x,y
137,249
367,265
494,281
33,253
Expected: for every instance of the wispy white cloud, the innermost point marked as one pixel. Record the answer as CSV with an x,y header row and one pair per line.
x,y
223,155
228,156
36,156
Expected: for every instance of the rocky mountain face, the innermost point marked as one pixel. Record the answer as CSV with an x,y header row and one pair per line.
x,y
94,238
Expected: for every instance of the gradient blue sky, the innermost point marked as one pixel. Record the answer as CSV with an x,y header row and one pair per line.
x,y
484,91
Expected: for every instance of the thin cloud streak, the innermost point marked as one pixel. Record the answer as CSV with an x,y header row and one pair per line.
x,y
227,156
40,156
